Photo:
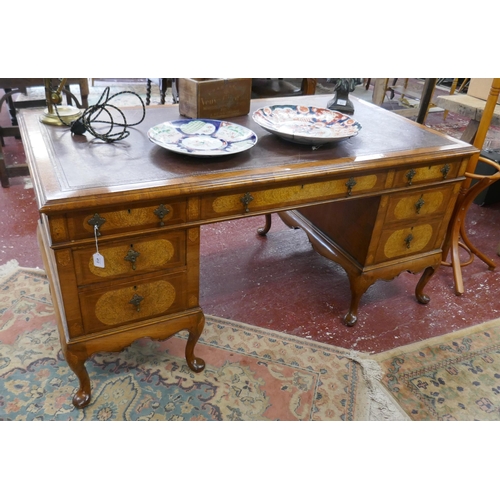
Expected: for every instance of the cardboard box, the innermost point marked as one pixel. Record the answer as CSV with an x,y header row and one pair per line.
x,y
480,88
214,98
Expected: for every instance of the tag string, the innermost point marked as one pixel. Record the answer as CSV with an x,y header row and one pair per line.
x,y
95,235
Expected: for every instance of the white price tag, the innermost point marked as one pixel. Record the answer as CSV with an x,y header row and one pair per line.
x,y
98,260
342,102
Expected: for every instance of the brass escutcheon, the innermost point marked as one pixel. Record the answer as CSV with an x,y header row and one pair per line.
x,y
132,256
350,184
409,175
445,171
246,199
420,203
135,301
408,240
160,212
98,221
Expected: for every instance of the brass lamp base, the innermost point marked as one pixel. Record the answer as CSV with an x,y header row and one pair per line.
x,y
67,113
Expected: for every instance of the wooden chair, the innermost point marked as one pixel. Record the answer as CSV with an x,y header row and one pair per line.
x,y
382,86
8,171
14,86
163,83
456,237
20,85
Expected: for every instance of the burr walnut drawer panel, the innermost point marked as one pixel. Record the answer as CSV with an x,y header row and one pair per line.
x,y
254,200
395,243
419,204
125,219
427,174
109,307
130,257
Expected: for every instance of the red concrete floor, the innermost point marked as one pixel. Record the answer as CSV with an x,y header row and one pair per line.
x,y
279,282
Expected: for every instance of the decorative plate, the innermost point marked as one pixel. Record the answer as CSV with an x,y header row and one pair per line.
x,y
306,124
202,137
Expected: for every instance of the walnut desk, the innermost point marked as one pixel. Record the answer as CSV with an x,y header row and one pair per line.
x,y
388,193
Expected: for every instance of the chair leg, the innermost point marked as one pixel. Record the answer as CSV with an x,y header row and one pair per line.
x,y
4,176
163,89
175,92
308,86
148,92
456,231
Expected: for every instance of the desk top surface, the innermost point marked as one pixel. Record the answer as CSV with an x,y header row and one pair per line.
x,y
70,171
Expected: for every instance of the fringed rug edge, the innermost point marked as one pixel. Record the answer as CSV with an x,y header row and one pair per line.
x,y
12,266
397,351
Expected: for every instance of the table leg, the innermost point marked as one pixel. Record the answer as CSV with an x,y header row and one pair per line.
x,y
77,364
359,284
379,89
196,364
419,290
262,231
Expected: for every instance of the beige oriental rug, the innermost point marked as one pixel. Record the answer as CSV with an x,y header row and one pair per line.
x,y
452,377
251,373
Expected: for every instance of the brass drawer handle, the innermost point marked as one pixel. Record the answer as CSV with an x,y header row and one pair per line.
x,y
98,221
136,301
409,175
132,256
445,171
420,203
160,212
350,184
246,199
408,240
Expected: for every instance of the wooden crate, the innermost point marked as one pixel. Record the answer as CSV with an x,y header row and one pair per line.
x,y
480,88
215,98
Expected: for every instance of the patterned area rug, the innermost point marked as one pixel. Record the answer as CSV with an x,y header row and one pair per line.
x,y
250,374
453,377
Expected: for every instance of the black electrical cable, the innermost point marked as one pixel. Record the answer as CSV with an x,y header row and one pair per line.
x,y
92,114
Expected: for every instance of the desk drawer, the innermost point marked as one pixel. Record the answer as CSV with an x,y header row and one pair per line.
x,y
427,174
419,204
125,219
242,202
130,257
400,242
149,297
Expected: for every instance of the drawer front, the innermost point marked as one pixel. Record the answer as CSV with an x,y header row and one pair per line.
x,y
407,241
427,174
130,257
288,196
110,307
81,225
419,204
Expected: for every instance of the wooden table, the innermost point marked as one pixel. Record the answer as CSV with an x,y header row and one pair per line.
x,y
387,194
470,107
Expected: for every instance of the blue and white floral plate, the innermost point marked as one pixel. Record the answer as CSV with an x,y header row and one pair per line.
x,y
306,124
202,137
